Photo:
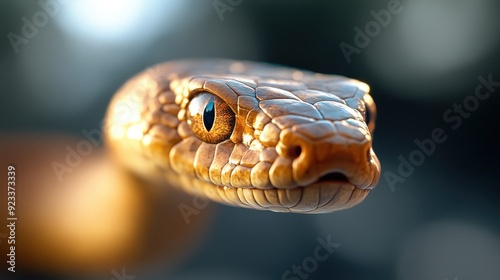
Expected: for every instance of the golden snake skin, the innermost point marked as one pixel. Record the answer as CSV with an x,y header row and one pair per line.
x,y
291,128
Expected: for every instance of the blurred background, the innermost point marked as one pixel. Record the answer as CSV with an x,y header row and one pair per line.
x,y
61,61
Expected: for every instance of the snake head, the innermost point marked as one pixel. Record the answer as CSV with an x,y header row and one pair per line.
x,y
257,135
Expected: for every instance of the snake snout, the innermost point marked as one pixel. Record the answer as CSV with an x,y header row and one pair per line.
x,y
334,158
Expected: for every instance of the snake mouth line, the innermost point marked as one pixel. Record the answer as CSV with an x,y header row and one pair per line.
x,y
335,177
332,179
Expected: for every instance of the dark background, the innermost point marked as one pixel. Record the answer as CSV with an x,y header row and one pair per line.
x,y
442,222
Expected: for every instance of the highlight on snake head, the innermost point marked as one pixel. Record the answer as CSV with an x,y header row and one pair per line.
x,y
248,134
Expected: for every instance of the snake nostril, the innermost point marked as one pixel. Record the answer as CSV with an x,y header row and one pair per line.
x,y
295,151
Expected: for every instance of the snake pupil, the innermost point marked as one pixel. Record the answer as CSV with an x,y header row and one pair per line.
x,y
209,115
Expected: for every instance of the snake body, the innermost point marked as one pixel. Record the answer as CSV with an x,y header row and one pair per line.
x,y
248,134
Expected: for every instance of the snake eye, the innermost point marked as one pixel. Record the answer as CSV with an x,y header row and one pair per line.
x,y
210,118
370,112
